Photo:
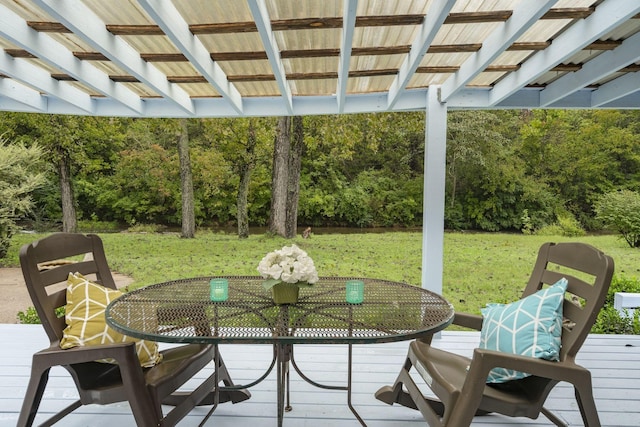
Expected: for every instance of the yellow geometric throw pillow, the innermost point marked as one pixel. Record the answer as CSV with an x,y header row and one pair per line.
x,y
86,324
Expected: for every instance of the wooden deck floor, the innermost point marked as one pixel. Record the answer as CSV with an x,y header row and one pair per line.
x,y
613,359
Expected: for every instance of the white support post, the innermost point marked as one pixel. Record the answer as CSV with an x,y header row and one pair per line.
x,y
435,156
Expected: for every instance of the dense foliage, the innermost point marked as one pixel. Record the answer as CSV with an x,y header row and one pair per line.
x,y
620,211
506,170
610,320
19,177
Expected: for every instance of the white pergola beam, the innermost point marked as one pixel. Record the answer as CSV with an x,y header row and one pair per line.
x,y
168,18
9,104
15,29
263,23
616,89
18,92
526,14
87,25
430,26
348,28
601,66
630,101
21,70
411,100
606,17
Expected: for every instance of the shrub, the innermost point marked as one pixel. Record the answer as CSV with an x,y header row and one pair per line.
x,y
29,316
566,225
622,284
95,226
620,212
146,228
527,225
609,320
20,176
570,226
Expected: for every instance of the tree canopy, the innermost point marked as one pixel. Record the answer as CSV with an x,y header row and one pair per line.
x,y
506,170
20,175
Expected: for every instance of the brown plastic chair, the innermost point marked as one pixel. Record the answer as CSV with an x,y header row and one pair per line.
x,y
460,383
103,383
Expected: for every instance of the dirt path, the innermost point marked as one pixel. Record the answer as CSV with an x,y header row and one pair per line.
x,y
14,296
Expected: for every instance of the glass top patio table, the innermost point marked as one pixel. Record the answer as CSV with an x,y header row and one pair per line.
x,y
181,311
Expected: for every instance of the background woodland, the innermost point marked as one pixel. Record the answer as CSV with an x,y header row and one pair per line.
x,y
506,170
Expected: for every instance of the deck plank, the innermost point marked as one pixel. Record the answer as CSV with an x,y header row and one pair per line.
x,y
614,361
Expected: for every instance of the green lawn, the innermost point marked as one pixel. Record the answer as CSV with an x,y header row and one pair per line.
x,y
478,267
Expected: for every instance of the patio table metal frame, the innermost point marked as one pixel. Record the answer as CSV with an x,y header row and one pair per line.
x,y
181,311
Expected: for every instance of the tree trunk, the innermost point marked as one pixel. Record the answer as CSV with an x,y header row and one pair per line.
x,y
186,183
69,219
279,177
293,185
243,188
451,170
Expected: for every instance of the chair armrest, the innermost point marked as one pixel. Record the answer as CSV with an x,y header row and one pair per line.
x,y
485,360
472,321
466,320
123,353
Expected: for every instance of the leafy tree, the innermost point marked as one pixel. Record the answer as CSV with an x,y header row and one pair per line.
x,y
80,151
293,177
581,155
280,177
355,164
486,185
243,187
620,211
20,175
506,170
243,150
144,187
186,182
71,143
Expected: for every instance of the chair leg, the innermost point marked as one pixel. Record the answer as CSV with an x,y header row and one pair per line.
x,y
586,403
430,409
60,415
233,396
33,397
189,401
146,409
395,394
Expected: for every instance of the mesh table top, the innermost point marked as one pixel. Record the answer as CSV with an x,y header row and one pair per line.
x,y
181,311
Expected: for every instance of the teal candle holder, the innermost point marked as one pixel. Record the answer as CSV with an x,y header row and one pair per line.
x,y
355,291
219,289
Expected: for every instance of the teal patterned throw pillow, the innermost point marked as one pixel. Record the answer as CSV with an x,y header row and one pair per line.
x,y
531,326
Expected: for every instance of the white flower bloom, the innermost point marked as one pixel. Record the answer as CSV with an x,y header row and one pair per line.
x,y
289,264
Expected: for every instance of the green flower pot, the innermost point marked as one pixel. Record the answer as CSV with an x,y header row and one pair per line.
x,y
285,293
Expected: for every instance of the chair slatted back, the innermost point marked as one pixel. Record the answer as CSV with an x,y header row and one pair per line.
x,y
589,272
46,264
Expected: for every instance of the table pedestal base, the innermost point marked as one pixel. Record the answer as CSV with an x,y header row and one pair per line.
x,y
284,354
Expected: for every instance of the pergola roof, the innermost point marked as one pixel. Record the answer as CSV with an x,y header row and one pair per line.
x,y
213,58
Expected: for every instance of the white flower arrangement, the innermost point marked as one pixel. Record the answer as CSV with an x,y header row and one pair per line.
x,y
289,265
